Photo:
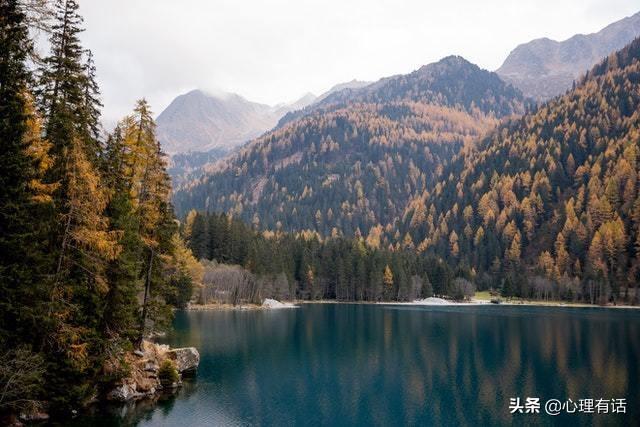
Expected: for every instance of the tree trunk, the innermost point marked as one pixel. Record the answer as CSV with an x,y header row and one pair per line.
x,y
147,284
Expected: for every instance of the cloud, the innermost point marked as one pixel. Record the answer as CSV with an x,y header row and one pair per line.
x,y
276,50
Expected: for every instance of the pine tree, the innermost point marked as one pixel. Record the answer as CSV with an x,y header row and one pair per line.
x,y
91,97
149,187
24,199
82,241
67,93
120,315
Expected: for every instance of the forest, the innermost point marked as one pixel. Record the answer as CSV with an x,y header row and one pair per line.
x,y
249,266
91,260
540,205
550,199
354,165
440,182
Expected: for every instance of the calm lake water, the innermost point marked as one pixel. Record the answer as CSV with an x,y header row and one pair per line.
x,y
350,364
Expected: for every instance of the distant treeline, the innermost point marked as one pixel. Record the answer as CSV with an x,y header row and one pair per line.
x,y
301,266
546,205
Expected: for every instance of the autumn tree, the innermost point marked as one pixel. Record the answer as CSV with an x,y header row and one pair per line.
x,y
25,202
82,242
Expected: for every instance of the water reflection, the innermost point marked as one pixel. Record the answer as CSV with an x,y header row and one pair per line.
x,y
397,365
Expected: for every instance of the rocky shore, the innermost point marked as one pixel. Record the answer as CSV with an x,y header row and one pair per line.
x,y
150,371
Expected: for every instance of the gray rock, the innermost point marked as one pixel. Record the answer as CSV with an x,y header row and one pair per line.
x,y
138,353
187,359
34,417
151,367
123,393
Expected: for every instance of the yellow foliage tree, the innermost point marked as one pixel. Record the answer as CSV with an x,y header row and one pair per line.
x,y
387,277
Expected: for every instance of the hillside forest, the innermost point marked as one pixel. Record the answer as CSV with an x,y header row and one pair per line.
x,y
541,205
441,182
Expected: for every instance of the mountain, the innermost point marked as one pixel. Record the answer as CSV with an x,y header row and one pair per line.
x,y
452,81
183,167
305,100
544,68
296,113
198,121
354,162
553,194
353,84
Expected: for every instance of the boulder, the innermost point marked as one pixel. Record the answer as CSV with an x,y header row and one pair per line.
x,y
123,393
272,304
186,358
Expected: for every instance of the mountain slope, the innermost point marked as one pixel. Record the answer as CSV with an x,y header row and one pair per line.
x,y
296,113
452,82
198,121
554,193
544,68
353,84
355,163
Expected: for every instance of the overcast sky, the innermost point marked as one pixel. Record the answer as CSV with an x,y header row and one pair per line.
x,y
274,51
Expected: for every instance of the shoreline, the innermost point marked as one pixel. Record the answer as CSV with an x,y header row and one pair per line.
x,y
446,303
274,305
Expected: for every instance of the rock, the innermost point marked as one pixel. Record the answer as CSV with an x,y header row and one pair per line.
x,y
151,367
123,393
187,359
138,353
144,385
34,417
154,335
272,303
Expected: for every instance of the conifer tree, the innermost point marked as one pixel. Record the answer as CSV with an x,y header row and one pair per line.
x,y
120,317
148,183
82,241
23,197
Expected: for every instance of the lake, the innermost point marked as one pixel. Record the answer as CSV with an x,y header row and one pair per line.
x,y
358,364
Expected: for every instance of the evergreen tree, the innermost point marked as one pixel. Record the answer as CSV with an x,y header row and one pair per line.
x,y
120,316
81,240
17,167
24,212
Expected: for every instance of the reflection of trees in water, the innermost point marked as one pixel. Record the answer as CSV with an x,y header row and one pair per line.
x,y
221,332
134,413
456,360
388,365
